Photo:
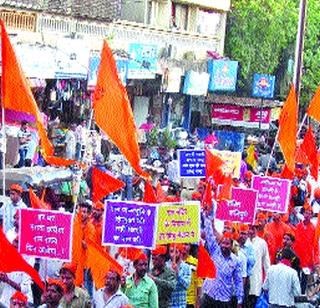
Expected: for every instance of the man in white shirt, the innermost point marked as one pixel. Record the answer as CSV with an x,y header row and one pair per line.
x,y
81,139
8,210
24,137
70,141
262,264
111,296
282,282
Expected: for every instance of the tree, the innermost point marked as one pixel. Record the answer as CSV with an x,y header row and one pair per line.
x,y
261,36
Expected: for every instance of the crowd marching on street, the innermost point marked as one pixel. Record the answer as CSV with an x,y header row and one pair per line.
x,y
234,250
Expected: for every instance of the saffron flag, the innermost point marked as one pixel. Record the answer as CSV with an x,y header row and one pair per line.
x,y
113,113
36,203
288,126
12,261
161,195
130,253
225,189
207,197
103,184
313,110
16,95
309,147
213,163
206,267
100,262
149,194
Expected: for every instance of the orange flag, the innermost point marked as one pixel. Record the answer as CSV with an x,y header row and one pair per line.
x,y
103,184
149,194
206,202
309,147
206,267
100,262
16,94
161,195
36,203
313,110
130,253
288,126
213,163
12,261
286,173
113,113
225,189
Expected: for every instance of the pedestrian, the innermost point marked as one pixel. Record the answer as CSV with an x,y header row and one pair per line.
x,y
74,296
70,142
81,139
97,220
24,138
53,294
9,208
282,283
163,276
140,288
18,299
261,265
183,272
110,296
218,292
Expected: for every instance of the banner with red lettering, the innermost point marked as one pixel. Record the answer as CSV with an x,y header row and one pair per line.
x,y
45,234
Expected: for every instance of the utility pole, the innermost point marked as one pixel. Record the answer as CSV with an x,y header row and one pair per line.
x,y
299,47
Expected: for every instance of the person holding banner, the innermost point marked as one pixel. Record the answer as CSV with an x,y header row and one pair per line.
x,y
183,272
140,288
163,276
53,294
218,292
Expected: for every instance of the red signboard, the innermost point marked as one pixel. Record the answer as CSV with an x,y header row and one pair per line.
x,y
227,112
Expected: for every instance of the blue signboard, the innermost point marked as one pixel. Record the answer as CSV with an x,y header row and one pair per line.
x,y
263,85
195,83
229,141
192,163
143,61
223,75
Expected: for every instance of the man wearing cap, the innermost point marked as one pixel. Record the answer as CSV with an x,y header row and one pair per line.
x,y
53,294
8,210
74,297
24,137
261,265
18,300
183,272
218,292
140,288
163,276
111,296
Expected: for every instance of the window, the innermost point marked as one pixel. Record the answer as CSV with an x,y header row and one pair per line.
x,y
208,22
179,16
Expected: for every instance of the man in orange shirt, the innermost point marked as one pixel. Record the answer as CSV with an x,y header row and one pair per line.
x,y
83,230
97,219
277,228
305,246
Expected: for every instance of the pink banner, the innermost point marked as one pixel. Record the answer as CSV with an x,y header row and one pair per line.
x,y
273,193
241,208
45,234
227,112
263,115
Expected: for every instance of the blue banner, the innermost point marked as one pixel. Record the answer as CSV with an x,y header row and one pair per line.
x,y
263,85
143,61
192,163
223,75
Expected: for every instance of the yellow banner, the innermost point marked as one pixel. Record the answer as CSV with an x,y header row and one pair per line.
x,y
232,162
179,223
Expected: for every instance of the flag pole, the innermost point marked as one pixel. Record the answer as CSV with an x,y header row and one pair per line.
x,y
3,151
302,123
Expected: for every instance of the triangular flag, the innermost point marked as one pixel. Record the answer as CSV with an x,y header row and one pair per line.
x,y
161,195
288,126
206,267
309,147
36,203
207,197
12,261
103,184
100,262
225,189
286,173
149,194
113,113
313,110
17,95
213,163
301,156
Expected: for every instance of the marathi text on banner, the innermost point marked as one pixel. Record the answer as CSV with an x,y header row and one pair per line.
x,y
241,208
192,163
130,224
273,193
179,223
45,234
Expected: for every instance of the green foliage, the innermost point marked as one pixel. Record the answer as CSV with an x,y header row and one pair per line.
x,y
168,142
153,137
261,35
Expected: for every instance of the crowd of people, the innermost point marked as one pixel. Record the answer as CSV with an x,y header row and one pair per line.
x,y
277,255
